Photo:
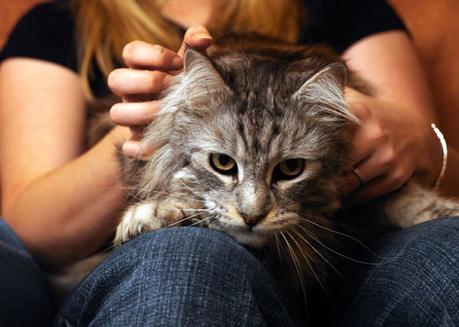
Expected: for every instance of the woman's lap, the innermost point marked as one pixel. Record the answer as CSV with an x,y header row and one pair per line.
x,y
193,276
24,296
177,277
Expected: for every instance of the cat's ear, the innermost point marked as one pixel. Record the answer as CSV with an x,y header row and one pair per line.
x,y
327,82
326,87
200,72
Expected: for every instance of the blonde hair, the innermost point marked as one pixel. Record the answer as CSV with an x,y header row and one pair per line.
x,y
104,27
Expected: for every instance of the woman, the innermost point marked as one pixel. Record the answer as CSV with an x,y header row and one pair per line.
x,y
63,205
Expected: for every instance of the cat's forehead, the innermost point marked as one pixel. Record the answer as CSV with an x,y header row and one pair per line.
x,y
249,75
246,102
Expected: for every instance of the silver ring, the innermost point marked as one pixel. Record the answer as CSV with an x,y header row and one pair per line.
x,y
359,176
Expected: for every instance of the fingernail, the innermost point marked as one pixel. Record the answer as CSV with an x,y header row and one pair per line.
x,y
204,36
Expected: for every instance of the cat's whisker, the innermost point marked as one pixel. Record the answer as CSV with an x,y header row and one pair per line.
x,y
203,220
337,252
364,231
276,238
168,194
189,217
321,255
307,260
341,234
192,209
189,188
298,269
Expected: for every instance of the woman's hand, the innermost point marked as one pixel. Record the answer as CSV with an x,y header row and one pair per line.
x,y
391,145
150,68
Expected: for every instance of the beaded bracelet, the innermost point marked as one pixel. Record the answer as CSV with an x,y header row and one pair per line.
x,y
444,149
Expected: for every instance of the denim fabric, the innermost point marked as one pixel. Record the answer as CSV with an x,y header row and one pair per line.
x,y
417,282
177,277
24,297
197,277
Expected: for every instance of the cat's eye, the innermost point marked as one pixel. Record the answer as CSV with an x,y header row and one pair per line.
x,y
288,169
223,164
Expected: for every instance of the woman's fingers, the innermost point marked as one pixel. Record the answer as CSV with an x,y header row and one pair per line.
x,y
381,163
383,148
196,36
125,81
134,113
136,149
378,187
142,55
150,70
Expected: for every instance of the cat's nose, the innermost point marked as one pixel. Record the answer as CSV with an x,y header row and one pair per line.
x,y
250,219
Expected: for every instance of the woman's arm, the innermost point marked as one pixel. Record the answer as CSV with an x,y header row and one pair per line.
x,y
395,140
62,204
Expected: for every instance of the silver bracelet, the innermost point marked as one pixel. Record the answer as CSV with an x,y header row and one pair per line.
x,y
444,149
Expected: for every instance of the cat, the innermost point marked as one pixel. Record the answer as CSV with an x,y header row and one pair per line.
x,y
253,140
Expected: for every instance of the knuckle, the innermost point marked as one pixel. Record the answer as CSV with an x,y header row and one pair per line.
x,y
388,157
158,49
379,135
159,54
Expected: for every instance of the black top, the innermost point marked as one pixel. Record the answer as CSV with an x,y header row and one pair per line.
x,y
47,31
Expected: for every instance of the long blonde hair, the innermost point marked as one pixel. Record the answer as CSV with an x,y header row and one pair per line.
x,y
103,27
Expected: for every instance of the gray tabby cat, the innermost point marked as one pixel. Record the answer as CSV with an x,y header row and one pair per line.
x,y
254,141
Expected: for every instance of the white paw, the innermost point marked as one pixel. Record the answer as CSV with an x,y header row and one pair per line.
x,y
137,219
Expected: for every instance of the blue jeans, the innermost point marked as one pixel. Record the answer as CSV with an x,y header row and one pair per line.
x,y
418,285
198,277
24,296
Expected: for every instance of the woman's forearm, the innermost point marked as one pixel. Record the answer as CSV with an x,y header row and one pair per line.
x,y
72,211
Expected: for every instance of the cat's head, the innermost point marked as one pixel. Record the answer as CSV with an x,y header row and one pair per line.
x,y
260,144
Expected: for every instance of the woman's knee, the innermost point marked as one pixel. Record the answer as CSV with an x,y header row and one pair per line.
x,y
186,246
174,272
423,254
418,278
433,241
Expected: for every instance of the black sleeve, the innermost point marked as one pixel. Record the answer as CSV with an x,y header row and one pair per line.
x,y
340,23
46,32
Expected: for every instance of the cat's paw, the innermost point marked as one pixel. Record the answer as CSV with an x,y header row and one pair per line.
x,y
137,219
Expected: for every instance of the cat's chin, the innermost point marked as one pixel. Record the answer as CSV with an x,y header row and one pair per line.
x,y
250,238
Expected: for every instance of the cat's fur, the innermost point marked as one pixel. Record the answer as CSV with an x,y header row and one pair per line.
x,y
260,103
